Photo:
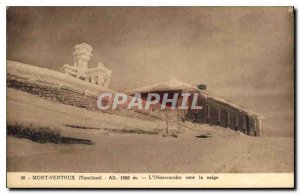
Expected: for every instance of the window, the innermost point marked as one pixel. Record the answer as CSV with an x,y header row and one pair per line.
x,y
227,119
219,116
244,124
207,111
237,122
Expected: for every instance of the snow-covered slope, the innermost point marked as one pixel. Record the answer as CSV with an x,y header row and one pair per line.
x,y
25,108
47,75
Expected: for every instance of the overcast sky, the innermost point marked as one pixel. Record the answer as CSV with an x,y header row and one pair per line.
x,y
237,52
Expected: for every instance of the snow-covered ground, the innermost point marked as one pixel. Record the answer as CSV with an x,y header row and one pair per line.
x,y
150,153
31,110
28,109
197,148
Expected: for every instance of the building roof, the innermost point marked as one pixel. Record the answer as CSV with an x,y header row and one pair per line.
x,y
239,108
171,85
175,84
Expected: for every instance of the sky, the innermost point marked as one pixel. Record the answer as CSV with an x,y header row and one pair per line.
x,y
243,54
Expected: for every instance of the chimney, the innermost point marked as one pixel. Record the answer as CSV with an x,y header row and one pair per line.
x,y
202,86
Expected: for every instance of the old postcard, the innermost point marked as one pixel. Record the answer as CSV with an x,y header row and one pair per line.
x,y
150,97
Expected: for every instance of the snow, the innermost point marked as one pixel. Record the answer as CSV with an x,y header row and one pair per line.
x,y
223,101
51,76
173,84
117,153
26,108
55,77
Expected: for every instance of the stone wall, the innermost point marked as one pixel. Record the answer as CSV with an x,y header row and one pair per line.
x,y
66,95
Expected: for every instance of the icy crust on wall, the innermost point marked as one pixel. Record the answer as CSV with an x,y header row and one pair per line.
x,y
58,115
34,73
68,96
57,87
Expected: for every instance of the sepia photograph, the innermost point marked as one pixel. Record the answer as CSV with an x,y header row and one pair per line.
x,y
150,97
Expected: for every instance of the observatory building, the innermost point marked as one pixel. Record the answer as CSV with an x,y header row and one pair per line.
x,y
99,75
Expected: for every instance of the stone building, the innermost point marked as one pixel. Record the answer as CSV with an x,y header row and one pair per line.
x,y
215,111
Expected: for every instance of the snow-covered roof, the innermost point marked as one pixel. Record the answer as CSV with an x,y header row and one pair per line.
x,y
223,101
171,85
175,84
